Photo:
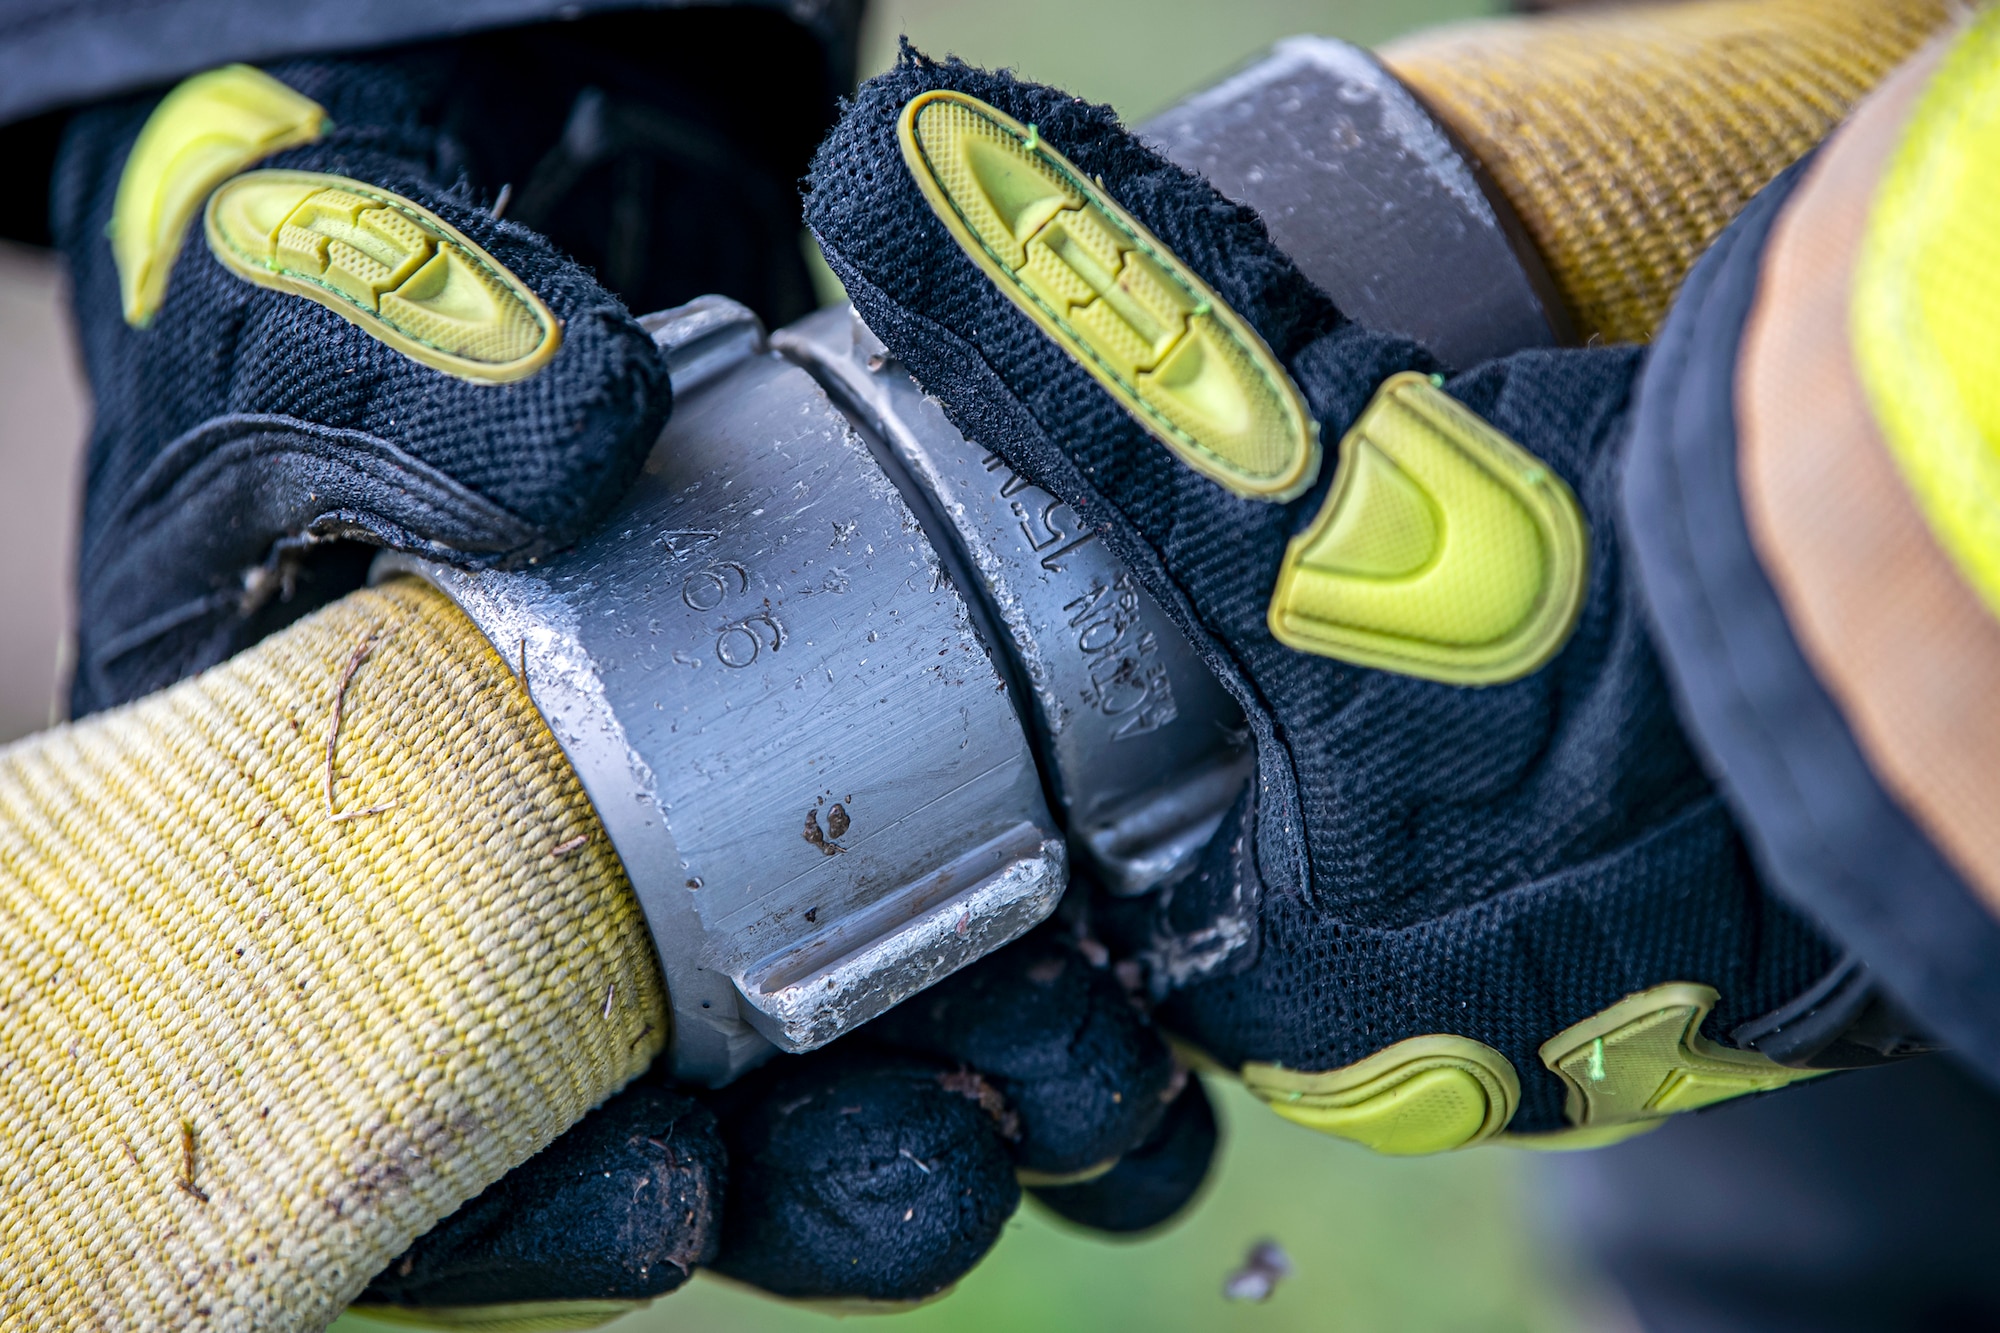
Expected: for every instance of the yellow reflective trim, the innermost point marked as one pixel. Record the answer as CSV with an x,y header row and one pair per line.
x,y
1423,1095
1644,1058
518,1317
1443,549
402,273
1926,292
1121,304
202,133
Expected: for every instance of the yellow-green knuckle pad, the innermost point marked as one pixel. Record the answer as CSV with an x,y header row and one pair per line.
x,y
1644,1058
202,133
402,273
1117,301
1423,1095
519,1317
1443,550
1927,284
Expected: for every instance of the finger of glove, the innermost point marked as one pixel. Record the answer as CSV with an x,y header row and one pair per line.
x,y
245,428
1153,1182
1209,557
1389,810
861,1175
1051,1053
624,1206
1081,1074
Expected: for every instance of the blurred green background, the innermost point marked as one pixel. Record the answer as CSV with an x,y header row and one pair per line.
x,y
1378,1245
1138,55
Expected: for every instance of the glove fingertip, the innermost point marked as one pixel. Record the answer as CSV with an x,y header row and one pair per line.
x,y
864,1178
1080,1070
1152,1184
622,1207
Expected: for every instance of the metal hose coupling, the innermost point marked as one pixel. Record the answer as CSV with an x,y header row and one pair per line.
x,y
826,673
849,695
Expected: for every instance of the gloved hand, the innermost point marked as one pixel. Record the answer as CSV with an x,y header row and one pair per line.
x,y
1638,859
879,1169
308,336
1491,890
403,365
1052,1103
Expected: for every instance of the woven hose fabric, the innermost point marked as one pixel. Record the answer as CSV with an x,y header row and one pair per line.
x,y
249,1050
1626,139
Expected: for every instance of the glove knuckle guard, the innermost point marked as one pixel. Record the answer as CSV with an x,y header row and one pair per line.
x,y
351,355
1126,308
202,133
1444,550
393,268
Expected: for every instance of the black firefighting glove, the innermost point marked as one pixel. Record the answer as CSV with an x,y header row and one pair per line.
x,y
356,343
1481,883
881,1168
310,334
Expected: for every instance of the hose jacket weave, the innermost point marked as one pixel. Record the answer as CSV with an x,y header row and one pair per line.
x,y
248,1051
1628,137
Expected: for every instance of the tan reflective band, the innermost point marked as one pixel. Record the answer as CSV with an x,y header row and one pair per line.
x,y
401,272
1122,305
1423,1095
1907,650
202,133
1443,549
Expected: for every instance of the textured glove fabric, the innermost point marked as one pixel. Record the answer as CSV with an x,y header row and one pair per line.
x,y
1497,863
248,445
620,1209
1083,1074
1151,1184
253,446
1627,138
873,1178
258,1040
882,1168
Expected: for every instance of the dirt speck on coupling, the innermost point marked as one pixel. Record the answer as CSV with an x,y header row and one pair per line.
x,y
817,838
